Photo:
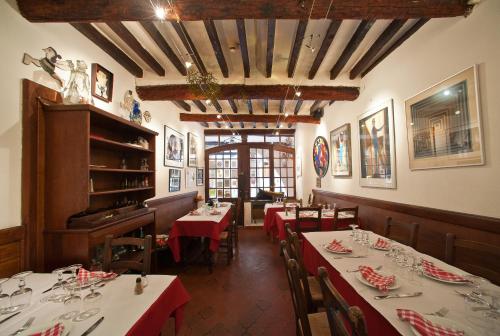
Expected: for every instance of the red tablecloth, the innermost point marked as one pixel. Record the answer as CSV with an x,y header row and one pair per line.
x,y
270,220
326,225
208,229
376,323
170,303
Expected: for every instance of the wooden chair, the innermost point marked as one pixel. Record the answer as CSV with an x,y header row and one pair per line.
x,y
138,260
406,233
226,241
475,257
343,223
307,224
238,211
311,200
338,310
306,324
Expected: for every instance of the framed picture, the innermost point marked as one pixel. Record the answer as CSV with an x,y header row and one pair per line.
x,y
444,124
318,182
190,177
193,145
200,176
174,180
321,156
340,141
376,147
298,165
173,148
101,83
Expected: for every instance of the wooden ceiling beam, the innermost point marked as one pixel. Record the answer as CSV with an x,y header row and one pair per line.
x,y
266,125
189,45
242,124
266,105
214,39
351,47
160,41
259,131
240,24
296,47
217,106
200,105
218,124
396,44
315,106
249,106
126,36
236,91
195,10
282,106
109,48
271,31
325,45
298,106
248,118
233,105
182,104
379,43
204,124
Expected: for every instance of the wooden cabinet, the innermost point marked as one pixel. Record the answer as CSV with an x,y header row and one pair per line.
x,y
95,182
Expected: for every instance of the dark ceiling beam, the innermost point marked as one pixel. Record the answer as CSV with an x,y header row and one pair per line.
x,y
298,106
189,45
296,47
249,106
242,124
155,34
109,48
379,43
247,118
126,36
254,125
196,10
218,124
240,24
266,125
271,31
316,105
259,131
182,104
236,91
214,39
200,105
282,106
233,105
266,105
204,124
217,106
351,47
325,45
418,24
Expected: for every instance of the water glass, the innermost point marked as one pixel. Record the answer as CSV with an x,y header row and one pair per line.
x,y
4,298
21,298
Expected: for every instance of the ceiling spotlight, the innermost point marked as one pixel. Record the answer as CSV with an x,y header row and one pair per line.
x,y
219,116
208,101
411,124
160,13
298,93
234,134
188,64
457,112
279,126
227,126
446,92
277,133
286,114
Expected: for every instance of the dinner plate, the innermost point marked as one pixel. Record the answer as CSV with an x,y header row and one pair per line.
x,y
446,281
396,284
447,323
41,327
325,246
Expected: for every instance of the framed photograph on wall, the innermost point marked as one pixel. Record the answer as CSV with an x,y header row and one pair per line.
x,y
444,124
190,177
173,148
101,83
321,156
174,180
200,176
193,146
376,147
340,142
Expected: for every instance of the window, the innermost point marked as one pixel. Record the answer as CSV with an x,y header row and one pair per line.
x,y
223,174
284,180
230,139
255,138
211,141
260,176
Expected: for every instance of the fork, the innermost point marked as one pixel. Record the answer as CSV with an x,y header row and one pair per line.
x,y
24,327
441,312
357,270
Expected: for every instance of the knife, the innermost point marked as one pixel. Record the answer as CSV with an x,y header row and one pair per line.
x,y
8,318
391,296
93,326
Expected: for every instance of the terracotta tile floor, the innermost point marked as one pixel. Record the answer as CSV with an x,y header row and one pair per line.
x,y
249,297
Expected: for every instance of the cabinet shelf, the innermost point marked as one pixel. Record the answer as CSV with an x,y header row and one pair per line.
x,y
118,170
118,191
111,144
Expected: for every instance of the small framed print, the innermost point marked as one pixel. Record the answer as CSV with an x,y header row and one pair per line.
x,y
174,177
193,145
173,148
101,83
199,176
190,177
318,182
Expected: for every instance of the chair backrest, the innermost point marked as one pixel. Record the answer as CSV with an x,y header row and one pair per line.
x,y
402,232
139,261
285,252
313,222
289,236
341,223
338,310
475,257
298,298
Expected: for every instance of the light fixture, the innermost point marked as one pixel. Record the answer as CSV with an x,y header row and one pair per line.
x,y
188,64
234,134
208,101
411,124
227,126
280,126
286,114
219,116
277,133
457,112
446,92
298,93
160,13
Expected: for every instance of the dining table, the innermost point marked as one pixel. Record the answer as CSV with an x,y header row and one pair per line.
x,y
270,210
203,222
124,312
380,314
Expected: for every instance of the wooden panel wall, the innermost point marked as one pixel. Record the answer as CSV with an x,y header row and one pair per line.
x,y
11,251
168,209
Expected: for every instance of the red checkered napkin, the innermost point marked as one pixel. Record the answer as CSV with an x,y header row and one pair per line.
x,y
84,275
426,327
336,246
382,282
382,244
56,330
439,273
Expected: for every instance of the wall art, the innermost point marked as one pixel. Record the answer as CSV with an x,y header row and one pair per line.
x,y
190,177
321,156
193,146
200,176
173,148
102,83
174,180
340,142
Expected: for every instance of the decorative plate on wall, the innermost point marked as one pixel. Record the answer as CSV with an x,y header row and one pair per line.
x,y
321,156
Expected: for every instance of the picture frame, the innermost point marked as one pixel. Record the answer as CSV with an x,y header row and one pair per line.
x,y
190,177
340,144
443,124
174,180
318,182
173,149
321,156
376,147
200,176
193,147
101,83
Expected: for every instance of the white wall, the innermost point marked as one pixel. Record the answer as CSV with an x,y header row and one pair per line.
x,y
438,50
18,36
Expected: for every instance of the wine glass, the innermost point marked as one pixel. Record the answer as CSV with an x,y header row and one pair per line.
x,y
353,227
21,298
4,299
94,295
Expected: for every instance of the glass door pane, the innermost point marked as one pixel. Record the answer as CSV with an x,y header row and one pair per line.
x,y
259,171
223,174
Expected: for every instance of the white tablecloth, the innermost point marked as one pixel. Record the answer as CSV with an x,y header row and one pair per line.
x,y
119,305
205,216
435,294
325,215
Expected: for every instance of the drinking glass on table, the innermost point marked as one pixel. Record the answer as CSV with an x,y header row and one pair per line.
x,y
4,299
21,298
353,227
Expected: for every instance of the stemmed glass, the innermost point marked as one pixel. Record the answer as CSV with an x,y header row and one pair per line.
x,y
21,298
353,227
4,299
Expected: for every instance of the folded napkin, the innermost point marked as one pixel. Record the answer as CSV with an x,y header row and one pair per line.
x,y
84,275
336,246
426,327
215,212
439,273
308,214
194,213
382,282
55,330
161,240
328,214
382,244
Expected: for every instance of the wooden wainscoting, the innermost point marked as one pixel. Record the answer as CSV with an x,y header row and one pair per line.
x,y
434,223
170,208
11,251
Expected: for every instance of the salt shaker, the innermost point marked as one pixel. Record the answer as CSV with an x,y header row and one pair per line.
x,y
138,286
